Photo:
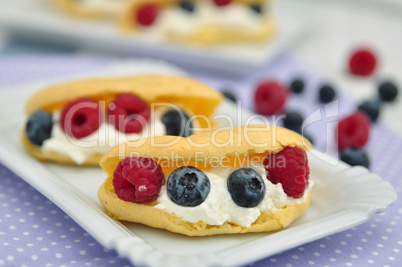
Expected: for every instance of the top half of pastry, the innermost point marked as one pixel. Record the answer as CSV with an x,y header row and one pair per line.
x,y
201,21
185,92
93,8
206,149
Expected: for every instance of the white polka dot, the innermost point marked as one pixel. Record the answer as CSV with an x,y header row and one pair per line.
x,y
88,263
311,262
370,261
20,249
35,226
8,216
301,248
53,212
348,264
12,227
373,225
400,242
287,265
17,210
53,243
77,241
332,259
43,249
353,256
10,258
67,247
25,233
375,253
34,257
380,245
58,255
83,252
85,234
16,238
45,219
31,213
58,224
63,236
393,223
343,243
384,237
316,254
72,229
388,230
30,245
364,240
39,238
98,259
105,250
348,235
295,257
1,262
21,220
369,232
328,238
91,244
391,258
359,248
338,251
72,261
48,264
322,246
396,250
49,232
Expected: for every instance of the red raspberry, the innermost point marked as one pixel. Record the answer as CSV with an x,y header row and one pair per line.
x,y
222,2
129,113
290,168
81,117
147,14
353,131
270,97
138,180
362,62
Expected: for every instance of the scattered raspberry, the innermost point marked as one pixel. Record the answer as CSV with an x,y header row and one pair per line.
x,y
81,117
222,2
270,97
290,168
138,180
353,131
129,113
362,62
147,14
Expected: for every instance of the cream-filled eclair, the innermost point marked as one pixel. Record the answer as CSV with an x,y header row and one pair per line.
x,y
201,21
77,122
235,180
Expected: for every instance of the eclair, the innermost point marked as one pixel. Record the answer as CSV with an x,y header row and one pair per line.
x,y
201,21
234,180
77,122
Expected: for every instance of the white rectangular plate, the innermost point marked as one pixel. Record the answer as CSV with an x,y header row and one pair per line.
x,y
39,19
342,197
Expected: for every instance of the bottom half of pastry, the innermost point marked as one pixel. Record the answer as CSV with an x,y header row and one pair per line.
x,y
149,215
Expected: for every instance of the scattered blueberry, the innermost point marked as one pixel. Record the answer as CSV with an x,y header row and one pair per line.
x,y
327,94
371,108
188,6
188,186
387,91
257,8
308,137
355,156
246,187
230,96
297,86
39,127
293,121
177,123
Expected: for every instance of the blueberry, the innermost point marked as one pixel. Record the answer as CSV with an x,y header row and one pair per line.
x,y
188,6
297,86
309,137
326,94
229,95
177,123
39,127
246,187
371,108
188,186
355,156
293,121
257,8
387,91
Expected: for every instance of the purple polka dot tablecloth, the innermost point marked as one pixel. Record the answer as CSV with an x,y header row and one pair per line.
x,y
35,232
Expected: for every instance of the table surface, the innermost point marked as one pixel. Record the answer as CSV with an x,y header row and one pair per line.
x,y
35,232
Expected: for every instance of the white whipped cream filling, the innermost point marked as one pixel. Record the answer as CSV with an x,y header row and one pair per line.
x,y
111,6
219,206
100,141
235,16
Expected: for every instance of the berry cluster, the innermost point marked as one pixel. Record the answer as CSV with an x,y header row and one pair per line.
x,y
147,14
